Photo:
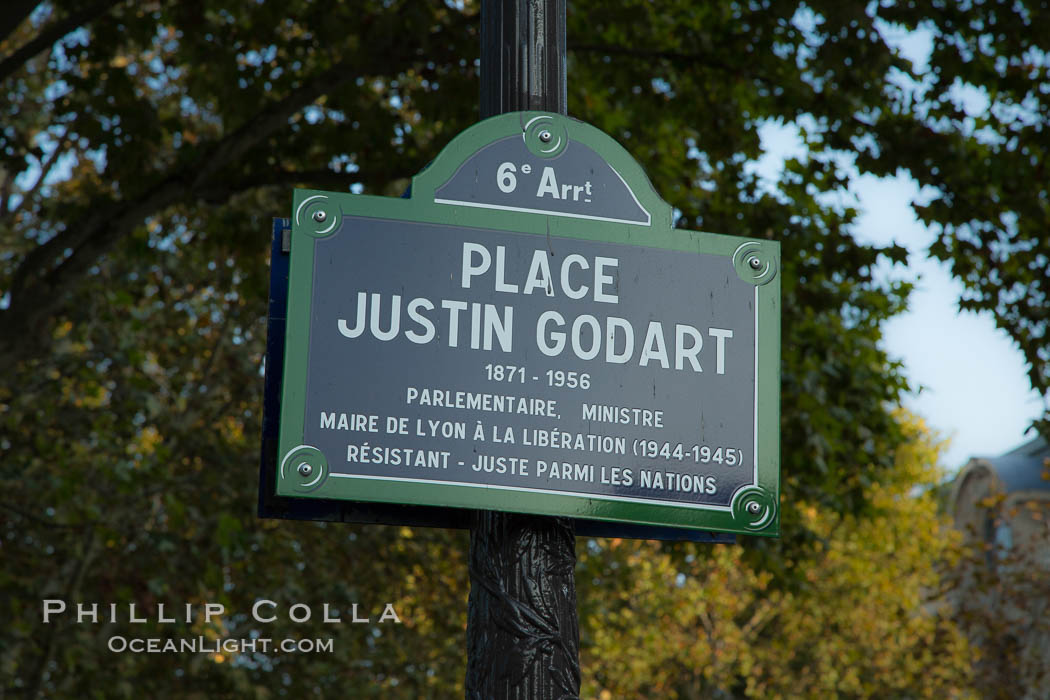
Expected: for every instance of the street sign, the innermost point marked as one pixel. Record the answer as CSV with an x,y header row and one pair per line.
x,y
527,332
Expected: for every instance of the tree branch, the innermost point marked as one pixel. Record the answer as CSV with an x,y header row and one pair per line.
x,y
38,284
6,183
14,13
673,56
52,33
217,192
43,521
45,170
48,651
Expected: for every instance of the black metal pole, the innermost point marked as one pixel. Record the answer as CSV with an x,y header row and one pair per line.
x,y
522,631
522,56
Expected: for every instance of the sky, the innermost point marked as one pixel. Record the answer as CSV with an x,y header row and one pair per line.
x,y
970,380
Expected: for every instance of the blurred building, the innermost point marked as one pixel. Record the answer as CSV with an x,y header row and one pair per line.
x,y
1002,506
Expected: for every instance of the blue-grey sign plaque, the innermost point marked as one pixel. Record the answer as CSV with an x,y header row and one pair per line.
x,y
527,332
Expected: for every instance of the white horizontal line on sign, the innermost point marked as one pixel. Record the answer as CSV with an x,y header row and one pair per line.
x,y
478,205
597,497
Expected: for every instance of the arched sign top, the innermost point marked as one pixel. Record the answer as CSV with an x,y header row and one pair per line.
x,y
545,164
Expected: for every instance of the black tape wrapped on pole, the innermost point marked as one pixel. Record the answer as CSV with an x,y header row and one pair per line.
x,y
522,631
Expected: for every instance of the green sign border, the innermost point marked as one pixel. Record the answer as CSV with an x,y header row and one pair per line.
x,y
754,510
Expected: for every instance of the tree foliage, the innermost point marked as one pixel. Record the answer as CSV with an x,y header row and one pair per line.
x,y
144,147
868,621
